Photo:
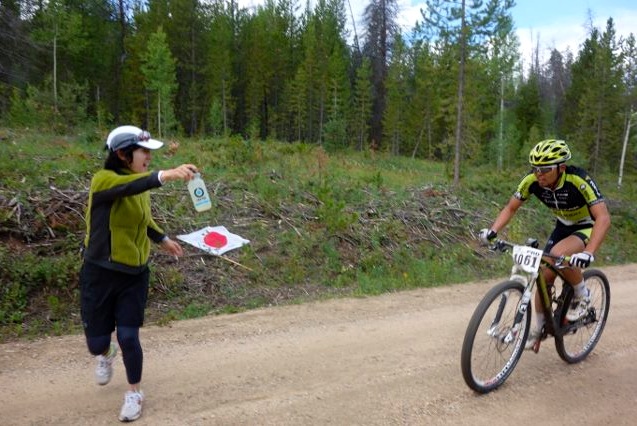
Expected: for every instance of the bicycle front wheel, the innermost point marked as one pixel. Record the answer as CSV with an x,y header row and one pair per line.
x,y
579,338
493,344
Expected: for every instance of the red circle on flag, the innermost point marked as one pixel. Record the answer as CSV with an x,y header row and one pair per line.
x,y
215,240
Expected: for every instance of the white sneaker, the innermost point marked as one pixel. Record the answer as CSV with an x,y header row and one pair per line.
x,y
104,369
579,307
132,408
532,339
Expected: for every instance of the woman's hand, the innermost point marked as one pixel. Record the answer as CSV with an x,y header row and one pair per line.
x,y
184,172
171,247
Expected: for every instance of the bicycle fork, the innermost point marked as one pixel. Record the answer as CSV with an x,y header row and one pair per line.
x,y
522,309
493,329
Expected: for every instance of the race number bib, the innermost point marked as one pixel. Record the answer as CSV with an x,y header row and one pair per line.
x,y
528,258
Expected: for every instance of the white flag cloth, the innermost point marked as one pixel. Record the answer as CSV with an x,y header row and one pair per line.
x,y
214,239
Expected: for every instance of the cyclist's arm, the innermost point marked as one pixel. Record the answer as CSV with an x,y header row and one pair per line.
x,y
506,213
599,212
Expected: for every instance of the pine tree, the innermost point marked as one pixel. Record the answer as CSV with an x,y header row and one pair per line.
x,y
184,25
159,70
596,123
468,27
629,55
219,76
398,99
362,104
425,102
380,20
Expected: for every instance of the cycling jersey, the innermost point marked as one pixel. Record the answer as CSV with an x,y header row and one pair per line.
x,y
570,201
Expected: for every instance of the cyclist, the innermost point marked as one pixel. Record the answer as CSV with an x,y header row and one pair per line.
x,y
582,220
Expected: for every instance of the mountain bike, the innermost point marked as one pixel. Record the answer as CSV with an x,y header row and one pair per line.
x,y
496,335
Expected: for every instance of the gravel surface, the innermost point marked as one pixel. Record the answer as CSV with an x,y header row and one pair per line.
x,y
387,360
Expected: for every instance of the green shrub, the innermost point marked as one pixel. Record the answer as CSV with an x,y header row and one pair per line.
x,y
30,274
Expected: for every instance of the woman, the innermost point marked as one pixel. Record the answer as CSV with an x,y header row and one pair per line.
x,y
114,276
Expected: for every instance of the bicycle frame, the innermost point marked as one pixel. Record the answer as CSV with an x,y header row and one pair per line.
x,y
529,279
547,297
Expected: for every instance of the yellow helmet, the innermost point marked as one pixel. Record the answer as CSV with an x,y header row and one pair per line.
x,y
549,151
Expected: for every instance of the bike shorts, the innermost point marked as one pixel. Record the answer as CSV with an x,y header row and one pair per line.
x,y
111,298
561,231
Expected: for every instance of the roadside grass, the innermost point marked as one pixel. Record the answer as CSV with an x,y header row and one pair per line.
x,y
321,225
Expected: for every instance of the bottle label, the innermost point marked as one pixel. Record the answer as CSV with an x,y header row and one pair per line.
x,y
199,194
199,197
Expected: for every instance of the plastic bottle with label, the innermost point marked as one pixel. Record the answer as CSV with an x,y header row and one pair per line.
x,y
199,194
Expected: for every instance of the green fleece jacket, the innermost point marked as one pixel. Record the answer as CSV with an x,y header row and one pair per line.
x,y
119,224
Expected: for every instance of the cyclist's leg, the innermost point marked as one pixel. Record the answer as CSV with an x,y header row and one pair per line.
x,y
575,243
538,311
563,241
566,247
557,235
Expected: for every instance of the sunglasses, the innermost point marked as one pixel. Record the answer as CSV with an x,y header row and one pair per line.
x,y
543,169
143,136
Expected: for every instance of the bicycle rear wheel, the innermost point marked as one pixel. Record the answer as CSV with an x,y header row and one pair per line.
x,y
579,338
491,348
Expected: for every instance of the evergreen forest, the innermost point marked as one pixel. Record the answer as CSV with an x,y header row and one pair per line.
x,y
452,89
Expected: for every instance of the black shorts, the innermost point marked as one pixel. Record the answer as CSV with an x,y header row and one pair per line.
x,y
561,231
111,298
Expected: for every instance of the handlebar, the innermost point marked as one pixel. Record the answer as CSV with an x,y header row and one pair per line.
x,y
503,245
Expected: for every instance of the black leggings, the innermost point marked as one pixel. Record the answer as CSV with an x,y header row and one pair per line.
x,y
132,354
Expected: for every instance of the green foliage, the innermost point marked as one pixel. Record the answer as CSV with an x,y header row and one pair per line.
x,y
27,276
72,105
398,99
21,113
13,302
335,134
319,224
597,126
168,281
362,105
65,112
216,119
194,310
159,70
332,211
28,111
242,152
273,72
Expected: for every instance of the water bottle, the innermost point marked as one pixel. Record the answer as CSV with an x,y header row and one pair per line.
x,y
199,194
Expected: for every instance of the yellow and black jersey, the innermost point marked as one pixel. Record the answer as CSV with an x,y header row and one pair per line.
x,y
570,201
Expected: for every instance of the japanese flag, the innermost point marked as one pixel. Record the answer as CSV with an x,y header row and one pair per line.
x,y
214,240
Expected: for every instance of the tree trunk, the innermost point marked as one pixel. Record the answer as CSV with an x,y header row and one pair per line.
x,y
159,115
624,146
456,163
501,130
224,107
55,69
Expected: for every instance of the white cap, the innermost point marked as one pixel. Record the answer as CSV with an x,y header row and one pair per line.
x,y
125,136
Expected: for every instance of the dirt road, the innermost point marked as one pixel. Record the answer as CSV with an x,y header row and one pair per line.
x,y
388,360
